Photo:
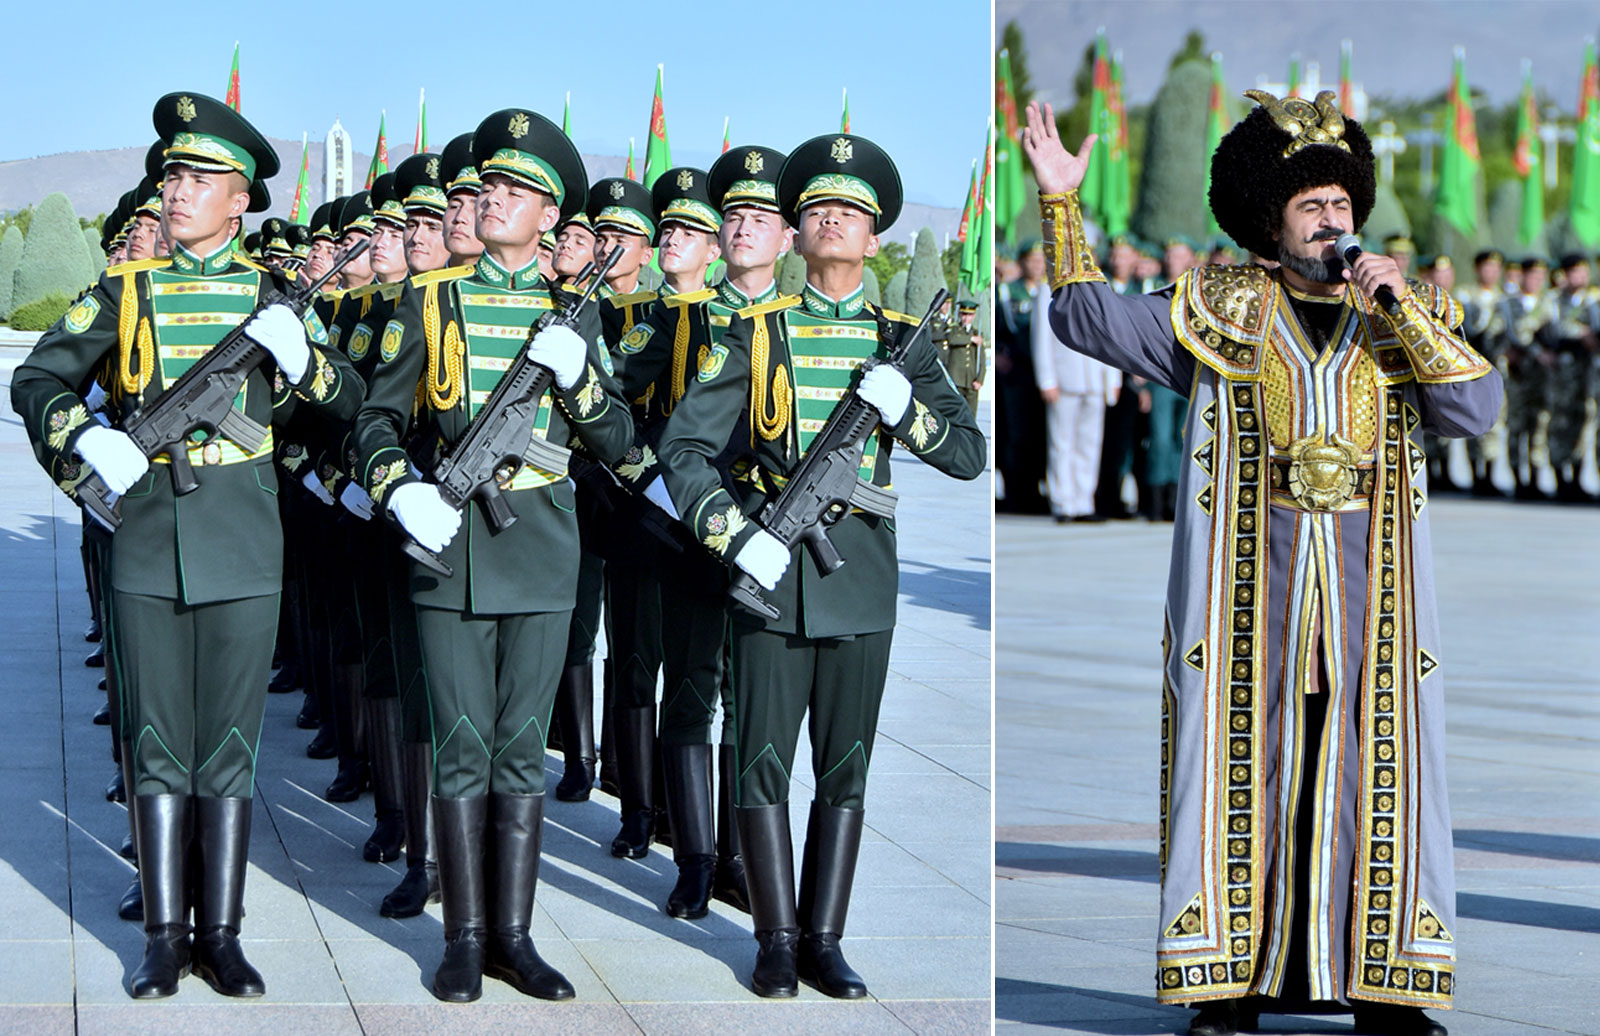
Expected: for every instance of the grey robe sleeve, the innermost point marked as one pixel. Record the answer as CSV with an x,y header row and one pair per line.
x,y
1130,332
1461,409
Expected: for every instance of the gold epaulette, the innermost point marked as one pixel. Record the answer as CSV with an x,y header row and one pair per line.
x,y
689,298
904,318
245,260
778,304
448,273
390,292
633,298
135,265
1223,315
363,291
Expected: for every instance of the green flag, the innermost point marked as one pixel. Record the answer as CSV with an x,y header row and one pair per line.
x,y
232,99
1526,159
300,211
657,152
1456,198
566,116
984,257
380,153
1585,210
419,144
1092,192
1294,76
844,118
967,232
1216,125
1119,170
1009,198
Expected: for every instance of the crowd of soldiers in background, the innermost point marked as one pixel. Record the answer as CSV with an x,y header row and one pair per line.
x,y
1538,323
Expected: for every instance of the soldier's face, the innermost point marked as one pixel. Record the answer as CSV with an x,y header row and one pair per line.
x,y
574,249
198,207
1533,280
635,251
547,261
461,226
320,258
388,251
753,238
838,232
1033,263
359,270
684,249
1489,273
511,213
1577,277
424,241
142,238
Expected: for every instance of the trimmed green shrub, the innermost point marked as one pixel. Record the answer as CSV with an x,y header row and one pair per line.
x,y
869,284
894,296
792,274
10,257
55,259
926,275
40,314
97,258
1172,181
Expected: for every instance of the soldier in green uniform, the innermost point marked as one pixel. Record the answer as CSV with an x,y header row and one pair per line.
x,y
299,238
1481,327
494,635
324,245
621,213
1570,341
420,189
656,361
195,578
1522,316
461,187
788,361
574,248
964,348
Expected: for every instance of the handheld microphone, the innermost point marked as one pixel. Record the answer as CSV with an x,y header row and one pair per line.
x,y
1349,248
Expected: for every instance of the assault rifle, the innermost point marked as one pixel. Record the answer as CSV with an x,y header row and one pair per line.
x,y
827,483
202,400
500,440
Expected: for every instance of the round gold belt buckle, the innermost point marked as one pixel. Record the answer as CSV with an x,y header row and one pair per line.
x,y
1322,475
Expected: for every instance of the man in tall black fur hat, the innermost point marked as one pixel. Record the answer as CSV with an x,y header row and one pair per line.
x,y
1306,852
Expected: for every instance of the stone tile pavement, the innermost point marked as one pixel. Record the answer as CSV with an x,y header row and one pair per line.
x,y
1077,734
920,920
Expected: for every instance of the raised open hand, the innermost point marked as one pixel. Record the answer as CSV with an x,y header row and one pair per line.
x,y
1056,168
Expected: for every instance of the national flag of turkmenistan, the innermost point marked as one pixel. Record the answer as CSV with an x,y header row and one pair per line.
x,y
232,99
380,153
1294,76
420,143
984,257
657,152
300,211
844,118
566,116
726,143
628,172
1119,170
1456,198
1008,182
1216,126
966,232
1347,89
1526,159
1092,192
1585,210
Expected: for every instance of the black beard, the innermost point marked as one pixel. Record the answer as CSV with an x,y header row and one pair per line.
x,y
1317,271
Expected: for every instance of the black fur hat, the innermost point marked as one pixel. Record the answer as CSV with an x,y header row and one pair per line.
x,y
1278,150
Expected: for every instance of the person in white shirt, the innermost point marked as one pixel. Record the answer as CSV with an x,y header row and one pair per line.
x,y
1076,391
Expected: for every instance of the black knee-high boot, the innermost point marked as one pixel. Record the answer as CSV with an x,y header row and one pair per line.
x,y
687,772
420,886
769,871
730,884
636,735
165,828
222,834
383,748
833,840
459,826
518,823
575,716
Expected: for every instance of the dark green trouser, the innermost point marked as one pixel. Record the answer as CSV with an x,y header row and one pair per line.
x,y
195,685
491,682
97,542
586,614
373,555
694,629
777,678
411,681
633,632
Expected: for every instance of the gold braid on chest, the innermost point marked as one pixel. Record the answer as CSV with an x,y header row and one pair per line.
x,y
137,346
443,378
680,358
767,424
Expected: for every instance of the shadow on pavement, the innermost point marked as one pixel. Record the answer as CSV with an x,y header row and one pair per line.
x,y
1126,864
957,590
1535,913
1526,843
1126,1014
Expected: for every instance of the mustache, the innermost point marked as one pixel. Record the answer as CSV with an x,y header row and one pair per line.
x,y
1325,234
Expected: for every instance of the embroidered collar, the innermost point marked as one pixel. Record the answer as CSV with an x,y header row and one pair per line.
x,y
490,272
185,261
737,299
821,305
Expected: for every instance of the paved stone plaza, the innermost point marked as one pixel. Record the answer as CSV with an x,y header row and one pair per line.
x,y
1077,711
920,916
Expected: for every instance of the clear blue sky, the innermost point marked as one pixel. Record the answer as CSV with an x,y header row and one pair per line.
x,y
918,75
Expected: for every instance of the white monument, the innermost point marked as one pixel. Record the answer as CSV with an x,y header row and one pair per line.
x,y
338,163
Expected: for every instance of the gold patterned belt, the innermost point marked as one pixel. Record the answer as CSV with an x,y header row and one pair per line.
x,y
1315,474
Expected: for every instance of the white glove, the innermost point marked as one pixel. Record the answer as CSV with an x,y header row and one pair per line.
x,y
562,350
656,493
888,390
277,330
425,515
114,457
316,488
356,501
765,557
